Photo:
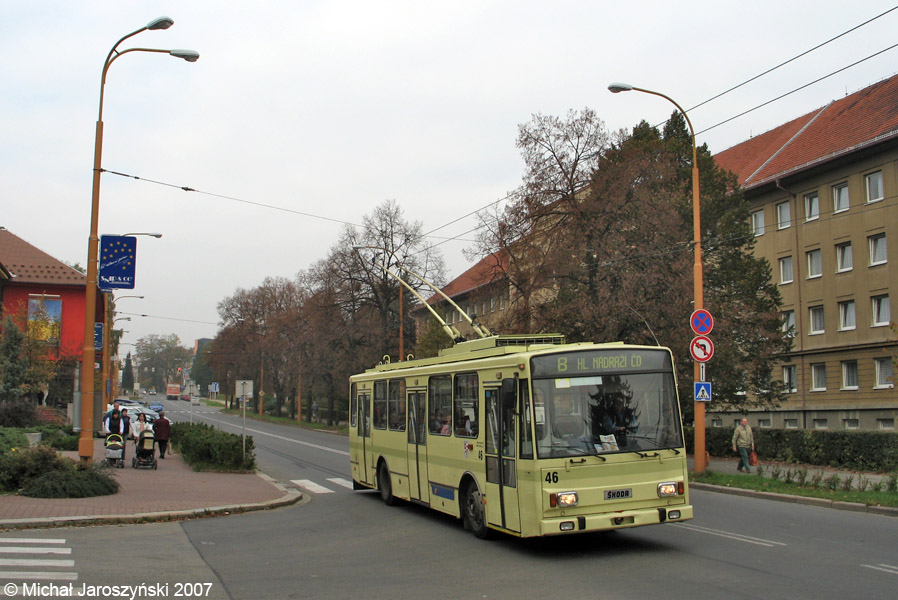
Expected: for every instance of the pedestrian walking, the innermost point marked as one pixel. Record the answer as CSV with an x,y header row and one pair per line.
x,y
743,443
314,411
162,430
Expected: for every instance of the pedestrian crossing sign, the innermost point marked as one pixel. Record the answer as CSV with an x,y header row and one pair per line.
x,y
702,391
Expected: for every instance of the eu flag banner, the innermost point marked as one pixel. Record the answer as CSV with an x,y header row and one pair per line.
x,y
118,256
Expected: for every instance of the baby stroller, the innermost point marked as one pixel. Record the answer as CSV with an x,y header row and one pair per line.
x,y
145,453
115,450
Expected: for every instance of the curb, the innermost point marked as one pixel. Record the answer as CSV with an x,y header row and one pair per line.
x,y
291,496
886,511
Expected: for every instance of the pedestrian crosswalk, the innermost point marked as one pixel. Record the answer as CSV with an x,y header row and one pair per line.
x,y
317,488
24,559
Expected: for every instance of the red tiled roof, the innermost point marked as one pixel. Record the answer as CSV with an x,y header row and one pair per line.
x,y
482,273
28,264
842,126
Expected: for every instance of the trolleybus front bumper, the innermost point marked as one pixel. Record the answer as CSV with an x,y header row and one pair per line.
x,y
615,520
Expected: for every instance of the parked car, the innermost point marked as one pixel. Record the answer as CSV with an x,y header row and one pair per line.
x,y
133,411
156,405
185,397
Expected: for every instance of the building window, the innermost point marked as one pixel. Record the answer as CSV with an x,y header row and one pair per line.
x,y
817,322
849,374
884,373
846,315
840,197
757,223
764,423
844,258
877,249
818,377
501,302
783,215
887,424
493,304
786,269
716,422
815,264
789,322
791,423
850,423
821,424
789,379
874,187
882,314
811,207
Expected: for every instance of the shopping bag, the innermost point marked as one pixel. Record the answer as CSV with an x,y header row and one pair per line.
x,y
753,458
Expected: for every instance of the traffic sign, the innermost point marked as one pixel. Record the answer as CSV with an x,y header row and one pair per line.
x,y
701,348
702,391
701,322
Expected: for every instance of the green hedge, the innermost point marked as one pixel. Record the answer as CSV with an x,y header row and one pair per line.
x,y
204,447
859,450
42,473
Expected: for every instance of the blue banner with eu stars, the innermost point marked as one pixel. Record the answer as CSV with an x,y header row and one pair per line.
x,y
118,257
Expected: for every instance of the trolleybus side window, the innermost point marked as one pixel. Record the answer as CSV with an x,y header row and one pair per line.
x,y
380,404
416,418
396,413
353,406
440,421
364,422
526,439
466,405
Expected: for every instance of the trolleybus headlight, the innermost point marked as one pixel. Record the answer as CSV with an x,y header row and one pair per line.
x,y
668,488
566,498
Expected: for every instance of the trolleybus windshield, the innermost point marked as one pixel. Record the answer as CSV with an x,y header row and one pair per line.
x,y
602,402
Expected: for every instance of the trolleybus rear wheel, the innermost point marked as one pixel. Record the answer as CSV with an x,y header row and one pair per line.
x,y
385,485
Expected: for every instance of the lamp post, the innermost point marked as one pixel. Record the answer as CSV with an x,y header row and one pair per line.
x,y
700,460
85,442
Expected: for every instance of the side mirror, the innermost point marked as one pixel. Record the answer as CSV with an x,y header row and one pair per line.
x,y
508,394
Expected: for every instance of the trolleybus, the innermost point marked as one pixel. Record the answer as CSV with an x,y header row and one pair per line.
x,y
526,435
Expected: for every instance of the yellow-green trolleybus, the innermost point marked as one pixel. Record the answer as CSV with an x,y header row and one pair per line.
x,y
526,435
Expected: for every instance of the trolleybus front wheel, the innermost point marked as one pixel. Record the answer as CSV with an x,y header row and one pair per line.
x,y
474,513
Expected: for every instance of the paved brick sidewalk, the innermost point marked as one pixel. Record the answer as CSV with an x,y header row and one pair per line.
x,y
171,488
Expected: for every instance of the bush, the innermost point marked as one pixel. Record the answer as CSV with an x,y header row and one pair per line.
x,y
17,413
856,450
204,447
12,438
79,481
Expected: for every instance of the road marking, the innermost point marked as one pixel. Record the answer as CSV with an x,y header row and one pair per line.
x,y
35,562
892,569
311,486
31,541
27,550
281,437
727,534
340,481
38,575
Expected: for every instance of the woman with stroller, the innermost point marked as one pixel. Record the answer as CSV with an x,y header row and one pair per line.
x,y
140,426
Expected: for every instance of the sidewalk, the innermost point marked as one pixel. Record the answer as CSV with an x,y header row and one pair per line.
x,y
173,491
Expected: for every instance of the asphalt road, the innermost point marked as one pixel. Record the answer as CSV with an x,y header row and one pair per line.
x,y
339,543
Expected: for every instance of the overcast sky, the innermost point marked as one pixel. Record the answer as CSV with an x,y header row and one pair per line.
x,y
329,108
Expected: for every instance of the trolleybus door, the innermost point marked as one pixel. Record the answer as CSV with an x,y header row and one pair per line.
x,y
364,432
501,482
417,447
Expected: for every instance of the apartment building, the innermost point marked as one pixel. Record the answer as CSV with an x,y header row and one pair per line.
x,y
824,195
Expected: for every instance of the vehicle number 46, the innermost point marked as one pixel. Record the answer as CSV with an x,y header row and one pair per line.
x,y
552,477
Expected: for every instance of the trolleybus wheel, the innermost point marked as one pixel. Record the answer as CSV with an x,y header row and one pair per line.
x,y
474,513
385,485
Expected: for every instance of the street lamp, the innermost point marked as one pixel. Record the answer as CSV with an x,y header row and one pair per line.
x,y
85,442
700,461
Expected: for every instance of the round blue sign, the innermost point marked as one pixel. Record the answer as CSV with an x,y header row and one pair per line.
x,y
701,322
